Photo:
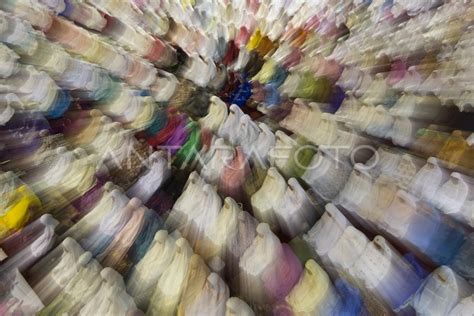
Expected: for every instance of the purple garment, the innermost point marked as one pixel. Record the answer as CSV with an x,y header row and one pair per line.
x,y
281,277
397,72
69,8
179,136
336,98
18,145
160,202
27,121
280,112
87,201
20,135
22,238
282,309
292,59
73,122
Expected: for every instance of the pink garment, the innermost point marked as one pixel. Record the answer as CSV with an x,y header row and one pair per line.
x,y
312,24
157,50
398,71
141,4
292,59
122,242
329,69
281,277
253,6
233,176
242,38
69,35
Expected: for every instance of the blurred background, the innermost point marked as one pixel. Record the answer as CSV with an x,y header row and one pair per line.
x,y
236,157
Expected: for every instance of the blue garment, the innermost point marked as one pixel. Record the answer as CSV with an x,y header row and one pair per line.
x,y
272,95
152,223
417,265
336,99
60,105
463,262
106,90
145,93
221,48
387,4
241,95
160,121
435,235
97,242
351,303
278,77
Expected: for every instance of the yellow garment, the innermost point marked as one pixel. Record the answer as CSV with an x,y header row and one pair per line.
x,y
145,117
427,65
254,40
368,60
87,134
453,31
94,51
194,282
266,72
467,158
187,3
429,142
353,20
454,149
310,291
17,214
265,46
81,179
222,231
168,291
299,38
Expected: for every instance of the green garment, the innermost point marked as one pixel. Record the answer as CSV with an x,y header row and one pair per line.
x,y
315,89
188,151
